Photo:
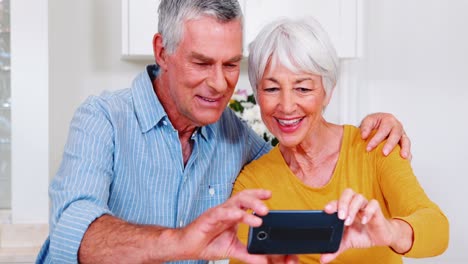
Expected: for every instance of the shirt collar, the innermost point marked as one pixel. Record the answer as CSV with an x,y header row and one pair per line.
x,y
148,108
204,131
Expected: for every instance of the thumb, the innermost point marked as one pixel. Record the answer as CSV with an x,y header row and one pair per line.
x,y
328,257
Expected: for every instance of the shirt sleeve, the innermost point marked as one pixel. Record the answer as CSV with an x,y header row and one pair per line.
x,y
259,145
407,200
255,145
80,190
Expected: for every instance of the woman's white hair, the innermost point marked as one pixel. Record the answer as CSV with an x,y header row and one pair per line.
x,y
299,45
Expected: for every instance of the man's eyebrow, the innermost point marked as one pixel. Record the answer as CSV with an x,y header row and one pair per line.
x,y
204,58
235,59
201,57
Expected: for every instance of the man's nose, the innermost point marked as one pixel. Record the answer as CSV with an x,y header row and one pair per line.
x,y
217,80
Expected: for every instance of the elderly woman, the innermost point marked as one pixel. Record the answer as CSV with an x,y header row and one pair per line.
x,y
293,70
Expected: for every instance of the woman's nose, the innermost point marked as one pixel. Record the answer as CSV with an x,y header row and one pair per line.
x,y
287,103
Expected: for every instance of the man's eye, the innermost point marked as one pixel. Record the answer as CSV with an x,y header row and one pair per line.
x,y
202,63
231,65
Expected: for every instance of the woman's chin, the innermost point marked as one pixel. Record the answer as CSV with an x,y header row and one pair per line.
x,y
288,142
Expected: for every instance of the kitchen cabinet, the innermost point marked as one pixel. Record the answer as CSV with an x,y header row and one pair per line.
x,y
340,18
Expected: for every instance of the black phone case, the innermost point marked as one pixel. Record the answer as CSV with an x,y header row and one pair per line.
x,y
296,232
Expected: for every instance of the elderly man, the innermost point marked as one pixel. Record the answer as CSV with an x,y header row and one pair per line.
x,y
147,171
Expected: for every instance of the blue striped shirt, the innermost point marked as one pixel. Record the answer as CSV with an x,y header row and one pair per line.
x,y
123,157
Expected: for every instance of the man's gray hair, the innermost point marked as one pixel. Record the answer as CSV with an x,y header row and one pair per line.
x,y
298,45
173,14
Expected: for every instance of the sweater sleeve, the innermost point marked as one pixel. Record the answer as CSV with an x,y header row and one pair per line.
x,y
243,182
407,201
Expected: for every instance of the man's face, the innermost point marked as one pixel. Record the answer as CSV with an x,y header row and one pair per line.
x,y
203,71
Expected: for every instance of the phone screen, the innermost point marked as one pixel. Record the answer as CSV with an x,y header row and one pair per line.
x,y
296,232
303,234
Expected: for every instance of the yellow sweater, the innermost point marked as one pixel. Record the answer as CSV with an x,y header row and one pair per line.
x,y
390,180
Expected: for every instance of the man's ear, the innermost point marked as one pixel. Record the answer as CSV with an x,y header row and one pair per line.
x,y
159,51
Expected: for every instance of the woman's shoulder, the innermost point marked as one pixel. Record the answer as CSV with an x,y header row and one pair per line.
x,y
266,162
264,167
261,173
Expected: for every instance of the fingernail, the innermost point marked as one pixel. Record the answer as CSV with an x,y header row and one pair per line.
x,y
385,151
348,221
368,149
364,220
341,214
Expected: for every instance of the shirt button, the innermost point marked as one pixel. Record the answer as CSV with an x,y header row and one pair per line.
x,y
181,223
211,191
164,122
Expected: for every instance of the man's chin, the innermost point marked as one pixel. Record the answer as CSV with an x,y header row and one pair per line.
x,y
205,120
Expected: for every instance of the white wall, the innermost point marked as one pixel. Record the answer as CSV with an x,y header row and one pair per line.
x,y
29,83
415,68
84,39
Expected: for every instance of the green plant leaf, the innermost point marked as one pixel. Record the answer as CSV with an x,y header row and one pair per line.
x,y
236,106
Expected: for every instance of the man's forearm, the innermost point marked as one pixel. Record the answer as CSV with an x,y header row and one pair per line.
x,y
111,240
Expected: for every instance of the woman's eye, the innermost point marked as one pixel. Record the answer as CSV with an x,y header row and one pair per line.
x,y
303,90
271,89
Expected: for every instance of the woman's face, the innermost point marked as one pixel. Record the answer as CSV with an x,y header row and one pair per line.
x,y
291,103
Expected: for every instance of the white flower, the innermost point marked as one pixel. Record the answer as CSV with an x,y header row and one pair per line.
x,y
259,128
250,114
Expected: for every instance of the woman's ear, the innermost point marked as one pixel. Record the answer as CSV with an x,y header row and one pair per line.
x,y
328,97
159,51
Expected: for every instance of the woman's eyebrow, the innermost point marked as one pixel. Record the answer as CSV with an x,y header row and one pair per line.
x,y
303,79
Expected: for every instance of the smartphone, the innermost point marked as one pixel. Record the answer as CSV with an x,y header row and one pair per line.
x,y
296,232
